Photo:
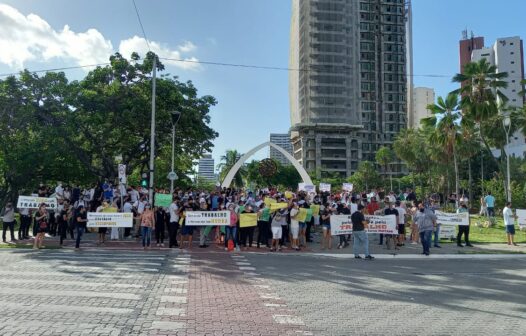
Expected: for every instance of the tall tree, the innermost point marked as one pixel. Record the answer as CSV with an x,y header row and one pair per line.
x,y
384,157
227,162
445,120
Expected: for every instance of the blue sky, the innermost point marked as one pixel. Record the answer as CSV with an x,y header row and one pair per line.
x,y
252,103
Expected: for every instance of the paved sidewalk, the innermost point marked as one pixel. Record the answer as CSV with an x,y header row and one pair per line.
x,y
89,240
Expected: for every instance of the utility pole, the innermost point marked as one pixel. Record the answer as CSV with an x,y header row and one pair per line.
x,y
152,135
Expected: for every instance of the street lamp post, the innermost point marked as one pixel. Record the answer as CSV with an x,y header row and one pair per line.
x,y
507,127
176,115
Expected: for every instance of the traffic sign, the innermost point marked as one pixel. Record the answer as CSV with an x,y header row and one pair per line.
x,y
172,176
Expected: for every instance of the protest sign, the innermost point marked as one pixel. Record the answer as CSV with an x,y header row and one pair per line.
x,y
207,218
302,215
110,219
268,201
325,187
521,218
306,187
347,187
248,220
315,209
341,224
31,202
448,231
163,200
277,206
445,218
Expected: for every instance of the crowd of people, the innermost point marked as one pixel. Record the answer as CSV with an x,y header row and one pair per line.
x,y
276,229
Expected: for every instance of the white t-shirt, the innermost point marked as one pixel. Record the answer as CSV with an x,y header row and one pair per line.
x,y
392,199
127,207
134,195
293,220
353,207
401,215
174,217
508,216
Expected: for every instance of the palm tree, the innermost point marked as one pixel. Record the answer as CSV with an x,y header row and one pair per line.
x,y
446,122
481,95
384,157
227,162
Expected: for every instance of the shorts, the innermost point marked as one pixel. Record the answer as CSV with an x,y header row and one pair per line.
x,y
326,226
510,229
187,230
277,232
303,226
401,229
294,231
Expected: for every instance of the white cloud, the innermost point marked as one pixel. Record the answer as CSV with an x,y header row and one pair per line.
x,y
26,38
139,45
30,38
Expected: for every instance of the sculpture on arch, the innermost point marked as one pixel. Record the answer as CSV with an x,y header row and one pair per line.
x,y
230,176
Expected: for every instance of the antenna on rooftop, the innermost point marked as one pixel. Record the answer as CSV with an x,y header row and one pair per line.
x,y
465,34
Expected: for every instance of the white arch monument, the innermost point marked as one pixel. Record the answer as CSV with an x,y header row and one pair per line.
x,y
230,176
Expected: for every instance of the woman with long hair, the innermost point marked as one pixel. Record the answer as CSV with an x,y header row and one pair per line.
x,y
42,220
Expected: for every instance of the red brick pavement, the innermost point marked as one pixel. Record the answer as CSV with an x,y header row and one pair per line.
x,y
223,300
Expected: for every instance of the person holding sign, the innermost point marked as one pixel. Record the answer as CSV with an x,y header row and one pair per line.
x,y
247,231
294,226
325,221
509,223
361,240
463,229
263,225
80,222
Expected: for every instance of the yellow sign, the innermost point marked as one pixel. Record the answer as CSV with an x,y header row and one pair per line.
x,y
288,194
277,206
302,215
315,209
268,201
248,219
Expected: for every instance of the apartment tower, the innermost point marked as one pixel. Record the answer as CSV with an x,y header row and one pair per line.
x,y
348,96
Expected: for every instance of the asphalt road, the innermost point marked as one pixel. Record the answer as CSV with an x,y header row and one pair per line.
x,y
62,292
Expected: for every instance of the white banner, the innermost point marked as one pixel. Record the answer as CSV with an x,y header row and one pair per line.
x,y
207,218
325,187
306,187
521,217
342,224
448,231
110,219
347,187
445,218
31,202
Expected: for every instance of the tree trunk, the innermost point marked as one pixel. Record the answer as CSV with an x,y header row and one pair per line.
x,y
457,181
470,181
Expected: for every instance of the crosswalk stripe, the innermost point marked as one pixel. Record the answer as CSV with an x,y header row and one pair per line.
x,y
10,306
173,299
167,325
83,283
45,292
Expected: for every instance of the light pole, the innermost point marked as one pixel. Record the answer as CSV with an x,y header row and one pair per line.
x,y
176,115
152,132
507,127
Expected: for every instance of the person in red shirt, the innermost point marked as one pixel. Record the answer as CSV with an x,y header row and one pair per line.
x,y
373,206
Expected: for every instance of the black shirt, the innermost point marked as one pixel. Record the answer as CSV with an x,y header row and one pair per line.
x,y
357,219
390,211
82,216
345,211
325,221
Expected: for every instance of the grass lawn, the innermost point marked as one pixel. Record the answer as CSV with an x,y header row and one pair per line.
x,y
495,234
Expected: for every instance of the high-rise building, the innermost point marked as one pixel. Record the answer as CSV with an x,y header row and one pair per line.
x,y
206,168
507,54
282,140
467,46
422,97
349,96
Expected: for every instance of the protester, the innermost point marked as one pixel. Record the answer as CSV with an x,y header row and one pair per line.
x,y
231,230
186,231
204,231
425,220
401,223
25,223
246,232
41,221
8,219
263,225
80,222
173,225
463,229
343,210
326,227
147,223
160,225
509,222
276,226
361,240
63,222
